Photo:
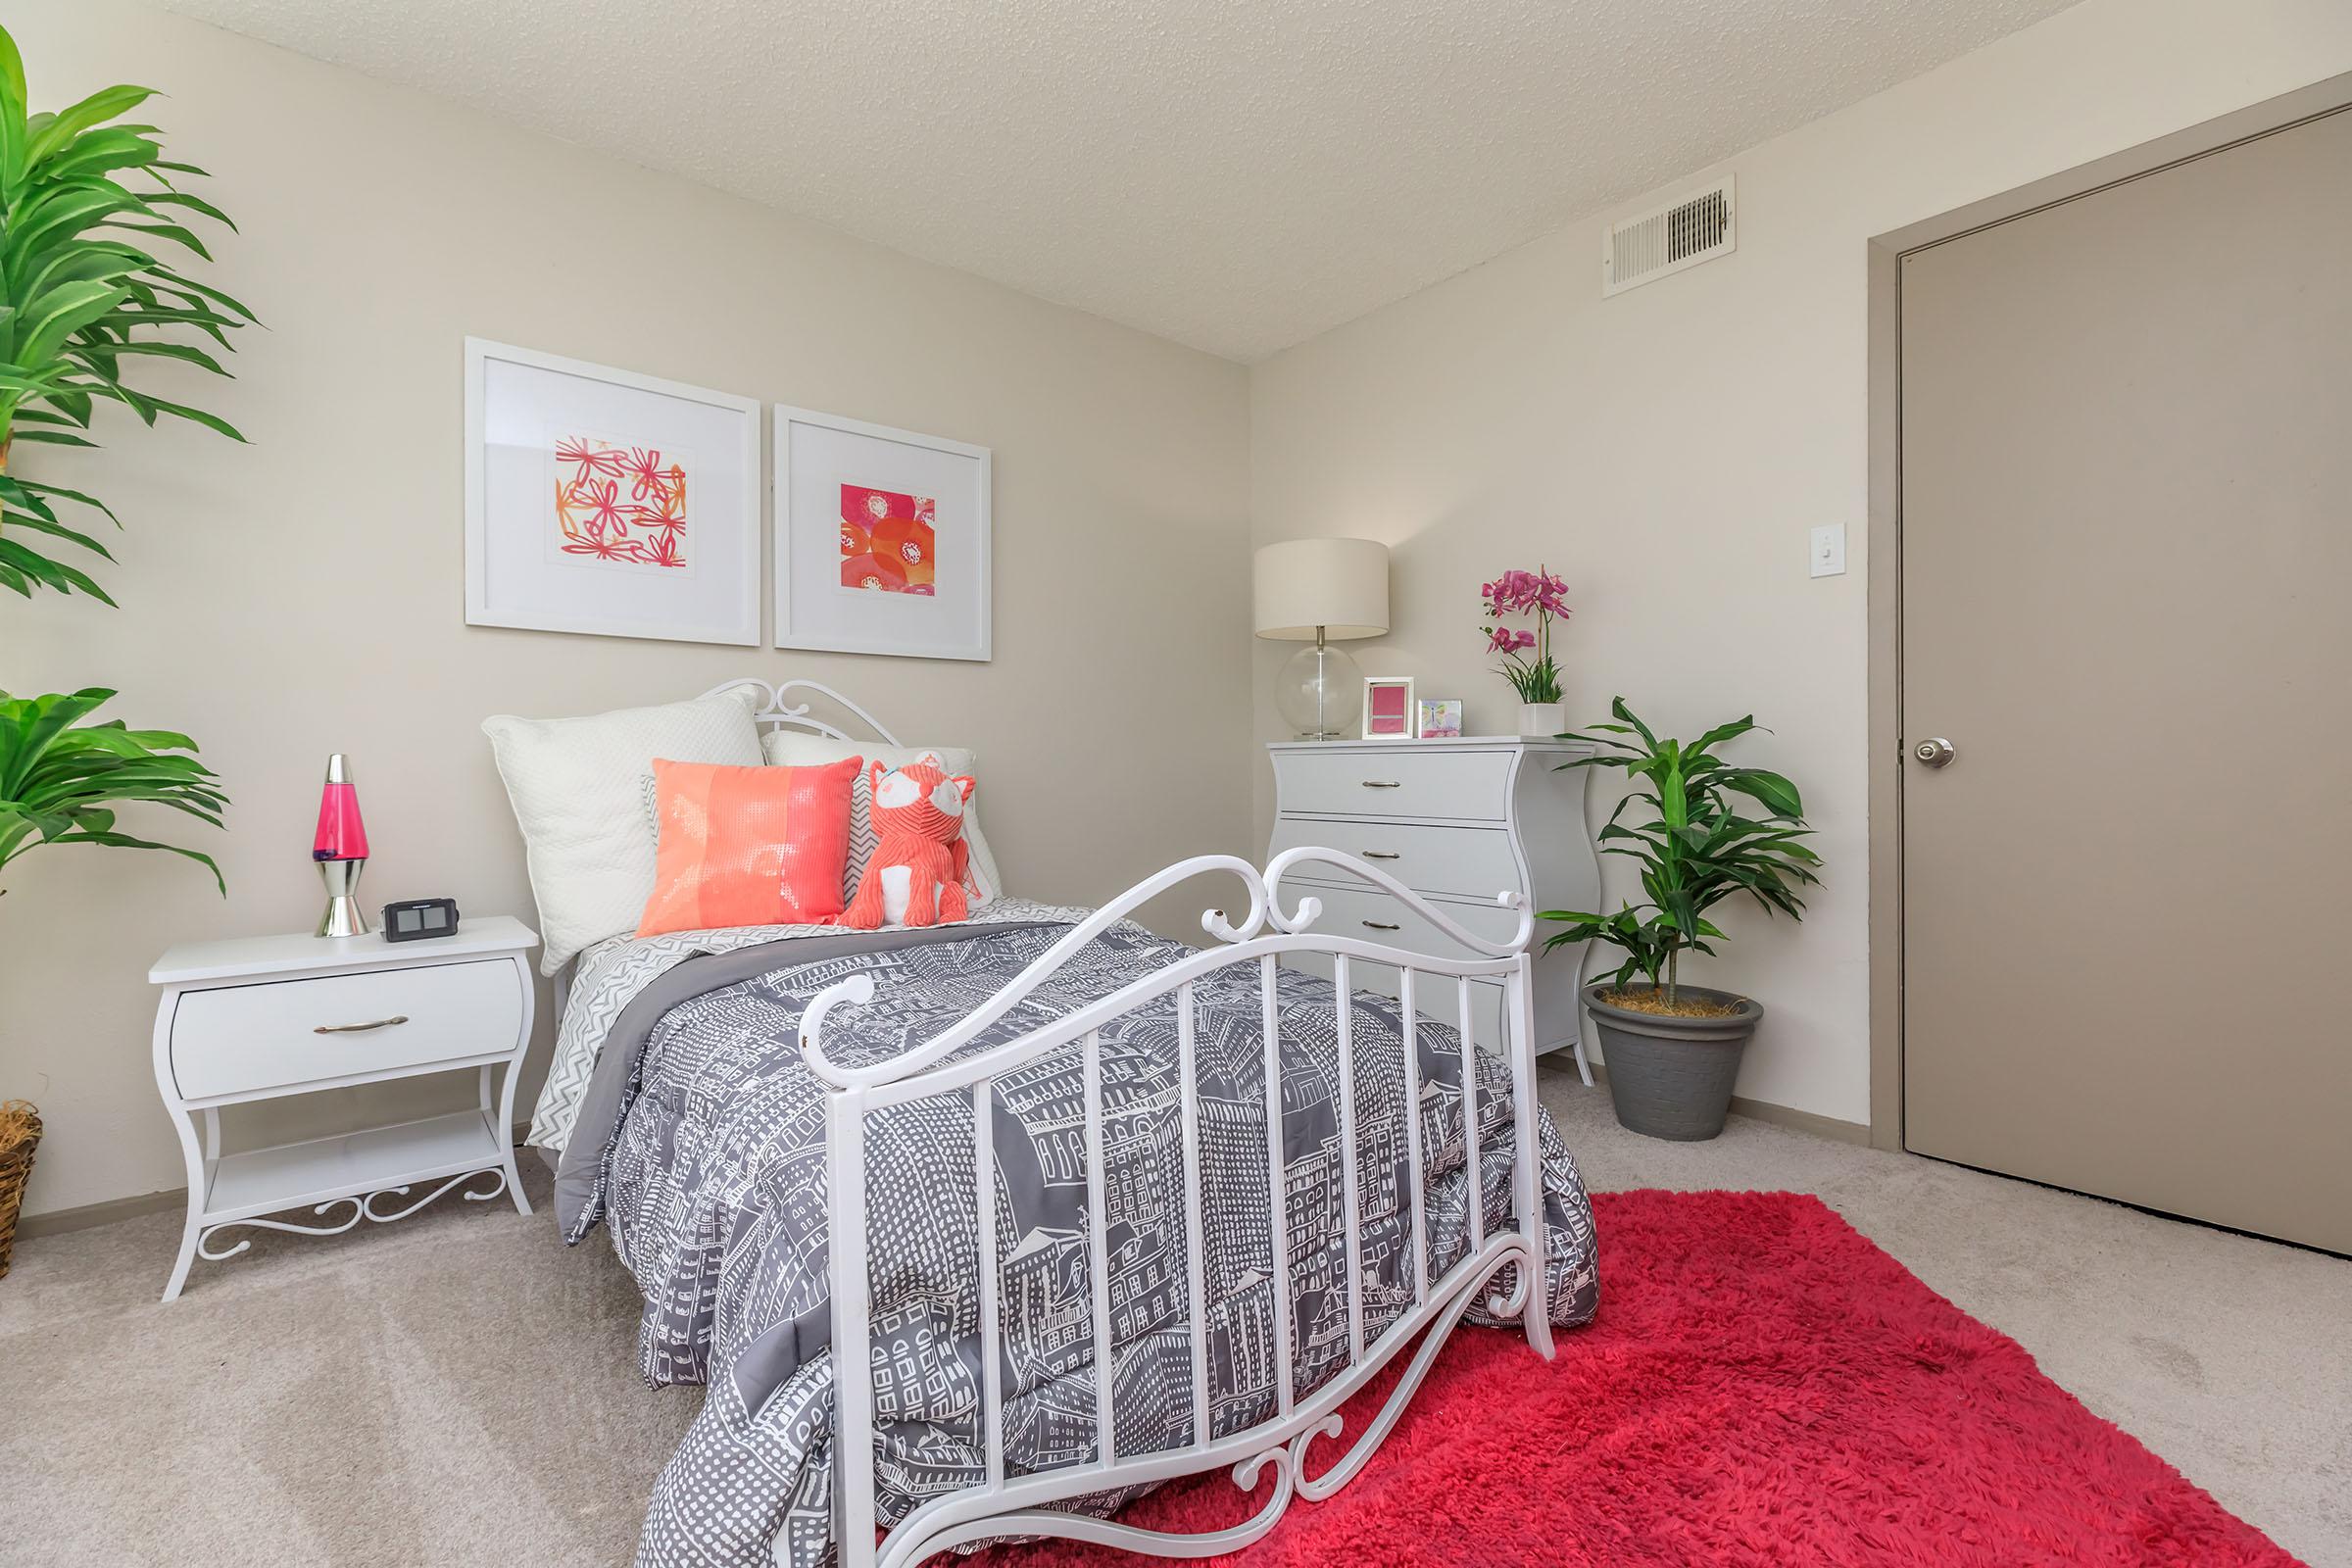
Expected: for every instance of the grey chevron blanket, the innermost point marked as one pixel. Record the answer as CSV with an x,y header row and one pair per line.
x,y
714,1187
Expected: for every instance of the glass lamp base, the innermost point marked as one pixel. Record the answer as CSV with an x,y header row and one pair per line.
x,y
1320,694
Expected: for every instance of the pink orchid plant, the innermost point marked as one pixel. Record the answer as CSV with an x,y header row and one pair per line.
x,y
1527,662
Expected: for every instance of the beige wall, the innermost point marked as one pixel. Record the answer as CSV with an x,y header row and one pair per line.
x,y
305,594
1668,449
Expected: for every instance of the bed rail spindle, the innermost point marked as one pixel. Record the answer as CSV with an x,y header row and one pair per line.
x,y
1536,1318
1473,1162
852,1332
992,1346
1195,1247
1278,1206
1098,1237
1412,1134
1351,1210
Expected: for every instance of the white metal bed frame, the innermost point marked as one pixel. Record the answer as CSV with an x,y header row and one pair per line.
x,y
781,715
1264,936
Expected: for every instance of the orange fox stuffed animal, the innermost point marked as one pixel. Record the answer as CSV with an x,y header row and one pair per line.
x,y
917,874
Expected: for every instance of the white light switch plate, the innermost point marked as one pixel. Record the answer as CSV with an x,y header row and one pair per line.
x,y
1826,550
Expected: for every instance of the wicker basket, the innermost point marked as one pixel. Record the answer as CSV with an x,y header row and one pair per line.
x,y
19,1135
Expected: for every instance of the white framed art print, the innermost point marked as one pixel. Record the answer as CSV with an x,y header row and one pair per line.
x,y
882,539
605,502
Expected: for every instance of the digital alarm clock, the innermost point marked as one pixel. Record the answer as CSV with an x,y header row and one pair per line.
x,y
418,918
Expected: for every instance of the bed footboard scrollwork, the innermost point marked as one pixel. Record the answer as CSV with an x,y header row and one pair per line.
x,y
1255,937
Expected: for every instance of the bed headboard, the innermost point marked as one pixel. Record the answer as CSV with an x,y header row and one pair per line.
x,y
782,713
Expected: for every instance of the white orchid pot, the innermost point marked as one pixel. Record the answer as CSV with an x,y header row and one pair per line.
x,y
1541,720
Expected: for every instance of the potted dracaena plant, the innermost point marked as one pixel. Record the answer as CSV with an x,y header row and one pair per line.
x,y
91,224
1673,1049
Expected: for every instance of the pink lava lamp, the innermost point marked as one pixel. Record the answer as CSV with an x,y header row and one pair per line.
x,y
340,847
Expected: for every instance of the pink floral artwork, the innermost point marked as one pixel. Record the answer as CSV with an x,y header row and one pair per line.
x,y
620,504
887,541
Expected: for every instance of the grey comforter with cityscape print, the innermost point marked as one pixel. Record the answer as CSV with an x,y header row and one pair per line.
x,y
712,1181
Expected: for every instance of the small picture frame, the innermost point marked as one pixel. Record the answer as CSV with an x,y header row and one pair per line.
x,y
1388,707
1441,718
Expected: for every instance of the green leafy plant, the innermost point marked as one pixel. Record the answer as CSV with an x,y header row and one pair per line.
x,y
60,780
82,292
85,292
1700,851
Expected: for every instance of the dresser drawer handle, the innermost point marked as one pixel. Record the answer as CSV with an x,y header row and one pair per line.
x,y
1381,784
357,1028
1383,925
1382,854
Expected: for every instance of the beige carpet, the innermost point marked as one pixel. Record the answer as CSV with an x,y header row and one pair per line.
x,y
458,1389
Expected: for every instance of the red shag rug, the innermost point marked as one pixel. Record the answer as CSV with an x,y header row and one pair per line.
x,y
1762,1387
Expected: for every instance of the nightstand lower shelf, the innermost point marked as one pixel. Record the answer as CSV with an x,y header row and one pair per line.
x,y
261,1180
366,1170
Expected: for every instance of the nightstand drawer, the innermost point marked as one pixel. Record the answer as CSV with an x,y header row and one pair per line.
x,y
1396,782
238,1039
1375,916
1474,861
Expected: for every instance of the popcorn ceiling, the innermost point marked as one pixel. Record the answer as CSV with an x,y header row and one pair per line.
x,y
1234,175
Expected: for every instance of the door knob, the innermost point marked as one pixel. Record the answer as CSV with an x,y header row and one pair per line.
x,y
1936,751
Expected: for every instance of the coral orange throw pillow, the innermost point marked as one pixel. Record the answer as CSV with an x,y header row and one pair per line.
x,y
748,845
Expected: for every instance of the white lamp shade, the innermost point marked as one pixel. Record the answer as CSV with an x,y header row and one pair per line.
x,y
1341,585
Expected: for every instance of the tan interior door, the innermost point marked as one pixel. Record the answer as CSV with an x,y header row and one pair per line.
x,y
2126,564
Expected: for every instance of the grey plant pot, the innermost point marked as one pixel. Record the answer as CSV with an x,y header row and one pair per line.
x,y
1672,1077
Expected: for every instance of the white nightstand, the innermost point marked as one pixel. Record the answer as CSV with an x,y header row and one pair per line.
x,y
1458,820
261,1018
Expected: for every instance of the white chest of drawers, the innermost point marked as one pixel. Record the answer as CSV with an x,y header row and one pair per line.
x,y
261,1017
1458,820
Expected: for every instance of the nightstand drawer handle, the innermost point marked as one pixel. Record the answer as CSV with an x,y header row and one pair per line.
x,y
1381,784
1382,854
1383,925
356,1028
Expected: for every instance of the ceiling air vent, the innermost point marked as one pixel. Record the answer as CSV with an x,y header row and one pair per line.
x,y
1693,227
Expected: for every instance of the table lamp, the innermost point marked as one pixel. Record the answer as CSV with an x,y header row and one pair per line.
x,y
1320,591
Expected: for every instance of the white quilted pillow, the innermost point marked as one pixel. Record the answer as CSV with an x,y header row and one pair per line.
x,y
793,748
575,784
